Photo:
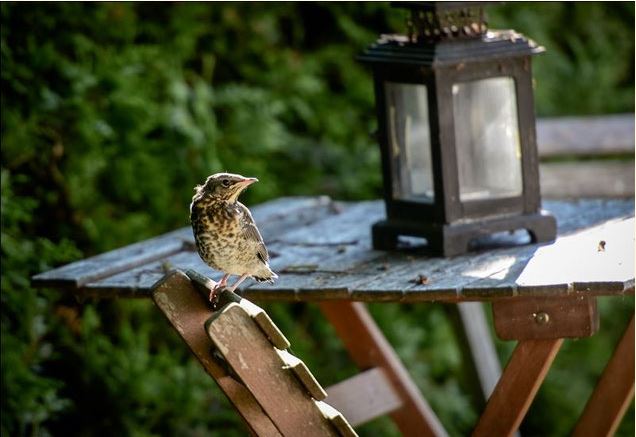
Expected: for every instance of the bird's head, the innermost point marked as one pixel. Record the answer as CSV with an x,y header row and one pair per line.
x,y
224,186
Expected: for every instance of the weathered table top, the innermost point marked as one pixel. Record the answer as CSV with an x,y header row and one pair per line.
x,y
321,249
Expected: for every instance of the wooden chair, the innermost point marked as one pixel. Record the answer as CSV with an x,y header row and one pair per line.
x,y
246,354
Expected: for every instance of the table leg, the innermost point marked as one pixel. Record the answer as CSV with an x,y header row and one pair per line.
x,y
613,393
368,348
517,387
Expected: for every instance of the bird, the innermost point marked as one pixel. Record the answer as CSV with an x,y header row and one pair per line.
x,y
225,234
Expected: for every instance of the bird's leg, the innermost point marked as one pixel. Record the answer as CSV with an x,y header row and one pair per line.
x,y
223,282
237,283
219,286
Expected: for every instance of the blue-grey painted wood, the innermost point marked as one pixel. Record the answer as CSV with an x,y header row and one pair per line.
x,y
321,250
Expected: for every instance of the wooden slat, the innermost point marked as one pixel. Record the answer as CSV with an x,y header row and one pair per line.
x,y
379,276
446,277
613,393
262,319
600,258
338,229
331,258
549,269
572,264
364,397
574,216
587,136
526,318
336,419
362,274
591,179
205,286
135,282
336,246
261,369
303,374
369,348
187,311
92,269
418,277
138,281
517,387
272,217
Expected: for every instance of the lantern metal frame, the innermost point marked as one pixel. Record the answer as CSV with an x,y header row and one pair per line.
x,y
439,62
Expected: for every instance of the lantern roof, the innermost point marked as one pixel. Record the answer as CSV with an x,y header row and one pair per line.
x,y
492,45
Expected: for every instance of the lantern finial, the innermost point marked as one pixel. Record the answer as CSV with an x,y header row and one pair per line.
x,y
432,22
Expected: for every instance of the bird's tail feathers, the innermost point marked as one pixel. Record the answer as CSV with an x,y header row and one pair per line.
x,y
269,279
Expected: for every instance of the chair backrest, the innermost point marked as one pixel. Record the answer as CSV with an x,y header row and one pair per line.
x,y
586,156
245,353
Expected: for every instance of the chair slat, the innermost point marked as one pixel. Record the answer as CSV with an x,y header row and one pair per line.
x,y
251,356
364,396
187,311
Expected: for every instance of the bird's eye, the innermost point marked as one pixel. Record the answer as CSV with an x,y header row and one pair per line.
x,y
225,182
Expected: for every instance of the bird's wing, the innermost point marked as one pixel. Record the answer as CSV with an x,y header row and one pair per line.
x,y
251,233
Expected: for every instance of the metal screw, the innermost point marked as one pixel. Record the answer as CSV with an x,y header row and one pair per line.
x,y
541,318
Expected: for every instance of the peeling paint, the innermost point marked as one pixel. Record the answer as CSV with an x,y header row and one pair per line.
x,y
164,302
244,364
222,348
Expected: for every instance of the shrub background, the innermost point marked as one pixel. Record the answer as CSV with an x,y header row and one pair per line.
x,y
112,112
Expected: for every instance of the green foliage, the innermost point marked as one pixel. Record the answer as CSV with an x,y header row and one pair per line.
x,y
28,397
588,67
112,112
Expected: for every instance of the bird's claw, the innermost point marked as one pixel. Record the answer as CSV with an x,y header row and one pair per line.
x,y
214,292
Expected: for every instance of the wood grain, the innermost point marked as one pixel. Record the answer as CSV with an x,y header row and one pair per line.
x,y
262,319
92,269
272,217
613,393
187,312
263,372
368,348
322,251
306,378
517,387
527,318
336,419
362,274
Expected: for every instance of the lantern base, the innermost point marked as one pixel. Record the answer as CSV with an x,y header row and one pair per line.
x,y
454,239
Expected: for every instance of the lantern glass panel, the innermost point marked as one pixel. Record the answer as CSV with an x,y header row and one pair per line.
x,y
487,139
409,139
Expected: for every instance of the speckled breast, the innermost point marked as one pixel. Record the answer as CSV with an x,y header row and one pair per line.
x,y
217,232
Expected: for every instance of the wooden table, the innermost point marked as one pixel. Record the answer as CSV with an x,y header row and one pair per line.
x,y
321,250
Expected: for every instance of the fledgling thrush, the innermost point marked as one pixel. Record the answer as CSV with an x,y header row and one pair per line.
x,y
226,236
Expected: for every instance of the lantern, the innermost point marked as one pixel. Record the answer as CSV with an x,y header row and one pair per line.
x,y
456,128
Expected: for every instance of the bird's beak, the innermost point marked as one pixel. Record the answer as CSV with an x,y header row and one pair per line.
x,y
247,182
